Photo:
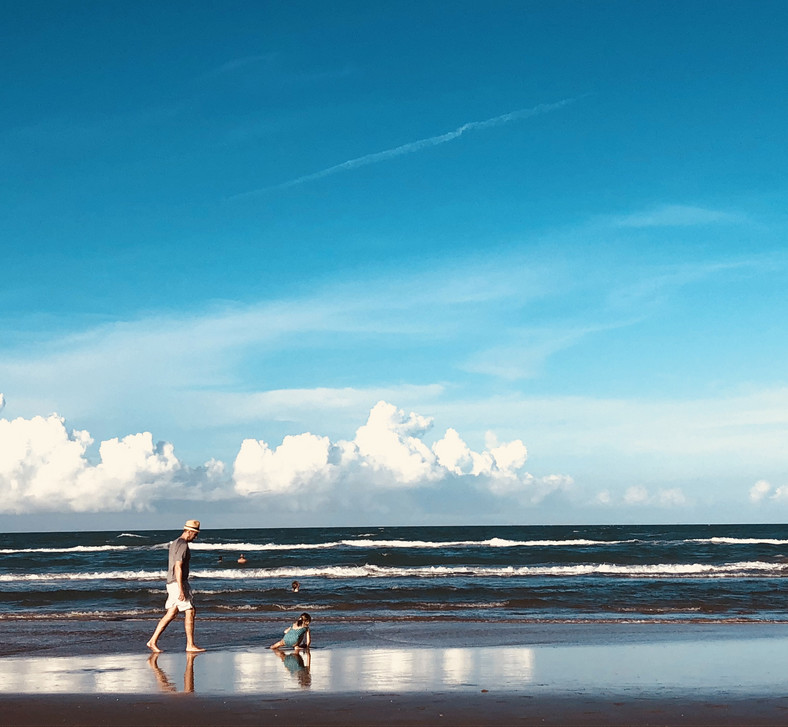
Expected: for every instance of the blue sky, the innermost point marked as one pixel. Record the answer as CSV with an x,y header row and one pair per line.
x,y
343,263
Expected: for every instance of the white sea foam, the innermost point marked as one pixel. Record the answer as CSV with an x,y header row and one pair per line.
x,y
503,543
74,549
260,573
658,570
372,544
267,607
491,542
76,615
253,547
94,576
739,541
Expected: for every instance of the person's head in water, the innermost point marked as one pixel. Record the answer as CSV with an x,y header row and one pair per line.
x,y
295,586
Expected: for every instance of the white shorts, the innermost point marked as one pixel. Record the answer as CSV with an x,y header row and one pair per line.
x,y
173,591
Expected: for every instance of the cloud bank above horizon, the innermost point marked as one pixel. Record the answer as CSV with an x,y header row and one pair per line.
x,y
387,467
46,468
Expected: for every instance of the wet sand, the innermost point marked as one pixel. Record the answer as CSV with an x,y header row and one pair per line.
x,y
397,673
383,709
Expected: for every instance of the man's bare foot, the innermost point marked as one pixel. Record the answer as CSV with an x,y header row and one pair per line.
x,y
194,649
152,646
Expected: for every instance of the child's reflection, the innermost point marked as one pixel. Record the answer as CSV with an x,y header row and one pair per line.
x,y
298,664
164,681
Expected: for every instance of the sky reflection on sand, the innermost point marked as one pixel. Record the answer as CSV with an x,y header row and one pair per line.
x,y
741,666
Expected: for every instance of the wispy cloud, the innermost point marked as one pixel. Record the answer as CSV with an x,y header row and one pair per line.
x,y
678,215
645,292
526,351
236,64
209,377
413,146
226,349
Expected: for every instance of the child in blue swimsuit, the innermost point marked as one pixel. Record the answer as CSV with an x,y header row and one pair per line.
x,y
296,635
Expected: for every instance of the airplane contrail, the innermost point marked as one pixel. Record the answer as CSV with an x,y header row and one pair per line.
x,y
413,146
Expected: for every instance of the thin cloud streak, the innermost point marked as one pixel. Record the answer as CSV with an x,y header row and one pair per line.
x,y
413,146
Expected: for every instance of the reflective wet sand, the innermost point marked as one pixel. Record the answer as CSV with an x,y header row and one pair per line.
x,y
743,666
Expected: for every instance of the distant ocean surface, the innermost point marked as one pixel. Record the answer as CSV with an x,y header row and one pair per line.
x,y
604,573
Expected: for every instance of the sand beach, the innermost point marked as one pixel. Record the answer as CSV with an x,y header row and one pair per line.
x,y
600,625
397,673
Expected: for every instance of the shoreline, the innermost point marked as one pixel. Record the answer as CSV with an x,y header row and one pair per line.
x,y
86,635
398,673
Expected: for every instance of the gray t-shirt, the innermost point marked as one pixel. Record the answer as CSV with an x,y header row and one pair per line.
x,y
179,550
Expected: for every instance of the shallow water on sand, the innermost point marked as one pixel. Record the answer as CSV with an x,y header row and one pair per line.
x,y
734,666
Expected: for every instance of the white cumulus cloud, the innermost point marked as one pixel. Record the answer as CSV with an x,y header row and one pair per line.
x,y
261,469
759,490
763,490
390,442
388,453
45,468
388,468
663,497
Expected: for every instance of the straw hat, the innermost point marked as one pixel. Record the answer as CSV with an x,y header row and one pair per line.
x,y
193,525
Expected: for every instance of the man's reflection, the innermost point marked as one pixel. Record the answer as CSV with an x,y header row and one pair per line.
x,y
164,681
298,664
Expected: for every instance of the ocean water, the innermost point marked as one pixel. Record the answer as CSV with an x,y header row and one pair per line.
x,y
489,573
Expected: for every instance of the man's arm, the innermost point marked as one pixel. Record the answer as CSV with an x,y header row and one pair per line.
x,y
178,570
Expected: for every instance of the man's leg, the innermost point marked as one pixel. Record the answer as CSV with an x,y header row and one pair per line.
x,y
188,625
165,621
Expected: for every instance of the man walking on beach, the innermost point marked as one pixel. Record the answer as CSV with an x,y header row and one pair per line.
x,y
179,595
